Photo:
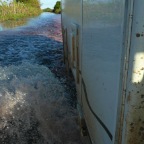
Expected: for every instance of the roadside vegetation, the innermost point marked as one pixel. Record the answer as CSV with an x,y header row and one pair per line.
x,y
19,9
47,10
56,9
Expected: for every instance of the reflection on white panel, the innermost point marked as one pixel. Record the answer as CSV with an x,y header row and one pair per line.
x,y
138,73
101,60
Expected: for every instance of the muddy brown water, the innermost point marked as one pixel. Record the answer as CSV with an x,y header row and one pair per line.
x,y
37,99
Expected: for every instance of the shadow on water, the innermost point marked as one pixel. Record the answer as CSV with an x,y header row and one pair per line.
x,y
37,100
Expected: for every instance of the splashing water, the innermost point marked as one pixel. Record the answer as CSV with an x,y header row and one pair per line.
x,y
36,107
33,108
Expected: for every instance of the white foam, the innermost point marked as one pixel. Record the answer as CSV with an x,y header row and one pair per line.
x,y
31,91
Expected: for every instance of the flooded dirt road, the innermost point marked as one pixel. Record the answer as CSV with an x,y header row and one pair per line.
x,y
36,98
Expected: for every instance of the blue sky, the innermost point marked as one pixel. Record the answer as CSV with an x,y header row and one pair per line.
x,y
47,3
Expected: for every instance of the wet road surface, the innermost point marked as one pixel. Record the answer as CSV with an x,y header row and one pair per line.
x,y
37,99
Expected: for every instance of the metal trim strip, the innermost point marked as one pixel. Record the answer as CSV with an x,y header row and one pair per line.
x,y
95,115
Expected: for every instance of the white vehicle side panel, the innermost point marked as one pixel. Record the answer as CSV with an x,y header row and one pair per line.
x,y
107,39
133,129
101,65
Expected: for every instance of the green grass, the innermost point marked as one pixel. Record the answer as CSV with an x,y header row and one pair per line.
x,y
17,10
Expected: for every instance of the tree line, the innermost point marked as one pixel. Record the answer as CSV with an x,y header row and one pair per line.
x,y
56,9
